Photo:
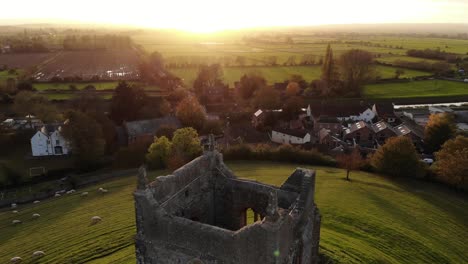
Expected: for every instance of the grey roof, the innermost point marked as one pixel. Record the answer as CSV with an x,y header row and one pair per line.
x,y
150,126
357,126
402,130
292,132
382,125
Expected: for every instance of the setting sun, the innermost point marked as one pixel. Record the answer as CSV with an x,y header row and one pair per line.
x,y
212,15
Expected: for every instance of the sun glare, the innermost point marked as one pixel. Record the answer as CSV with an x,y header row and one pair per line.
x,y
205,16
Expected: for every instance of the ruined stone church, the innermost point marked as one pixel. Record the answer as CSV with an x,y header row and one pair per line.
x,y
198,214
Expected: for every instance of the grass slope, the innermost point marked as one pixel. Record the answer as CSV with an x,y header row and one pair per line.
x,y
368,220
428,88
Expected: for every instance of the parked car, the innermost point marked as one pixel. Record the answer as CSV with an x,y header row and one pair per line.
x,y
428,161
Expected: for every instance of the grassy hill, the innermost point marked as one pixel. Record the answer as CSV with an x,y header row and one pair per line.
x,y
368,220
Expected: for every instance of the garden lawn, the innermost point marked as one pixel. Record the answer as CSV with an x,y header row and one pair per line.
x,y
416,89
370,219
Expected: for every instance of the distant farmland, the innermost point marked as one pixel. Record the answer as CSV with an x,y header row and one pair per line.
x,y
416,89
105,65
282,73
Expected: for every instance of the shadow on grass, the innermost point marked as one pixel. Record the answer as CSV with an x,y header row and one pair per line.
x,y
443,197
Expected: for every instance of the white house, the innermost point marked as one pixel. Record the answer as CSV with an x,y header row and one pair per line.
x,y
44,143
367,116
289,136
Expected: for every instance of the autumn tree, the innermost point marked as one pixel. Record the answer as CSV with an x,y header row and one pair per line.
x,y
85,135
126,102
356,68
28,103
293,89
249,84
209,76
191,113
185,142
159,152
292,107
439,128
267,98
350,161
451,162
398,158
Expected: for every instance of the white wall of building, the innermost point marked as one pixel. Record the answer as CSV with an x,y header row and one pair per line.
x,y
43,145
365,116
40,145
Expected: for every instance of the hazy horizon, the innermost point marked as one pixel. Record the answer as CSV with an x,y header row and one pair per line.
x,y
211,15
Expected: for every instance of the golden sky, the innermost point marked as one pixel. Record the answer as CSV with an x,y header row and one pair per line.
x,y
212,15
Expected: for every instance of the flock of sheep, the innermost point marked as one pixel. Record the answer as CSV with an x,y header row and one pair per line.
x,y
39,254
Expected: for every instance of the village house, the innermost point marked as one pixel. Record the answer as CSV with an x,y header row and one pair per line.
x,y
260,116
385,111
49,141
343,112
360,133
383,131
26,123
326,138
405,130
329,123
289,136
143,131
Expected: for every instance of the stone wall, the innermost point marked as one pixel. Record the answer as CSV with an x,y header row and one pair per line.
x,y
198,214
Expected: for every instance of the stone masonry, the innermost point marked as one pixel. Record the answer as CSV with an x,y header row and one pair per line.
x,y
198,214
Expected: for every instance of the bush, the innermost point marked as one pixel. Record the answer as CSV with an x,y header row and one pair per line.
x,y
284,153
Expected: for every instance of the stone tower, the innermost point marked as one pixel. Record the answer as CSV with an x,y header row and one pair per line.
x,y
198,214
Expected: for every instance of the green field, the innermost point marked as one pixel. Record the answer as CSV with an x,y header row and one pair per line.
x,y
80,86
282,73
416,89
368,220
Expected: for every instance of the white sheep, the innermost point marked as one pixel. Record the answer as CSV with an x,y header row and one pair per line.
x,y
84,194
36,202
16,260
15,211
95,219
102,190
13,205
71,191
16,222
57,195
36,215
38,254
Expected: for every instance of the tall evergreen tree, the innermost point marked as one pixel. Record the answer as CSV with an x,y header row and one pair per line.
x,y
328,67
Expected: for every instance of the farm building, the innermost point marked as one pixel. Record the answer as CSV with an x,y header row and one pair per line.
x,y
49,142
290,136
143,131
